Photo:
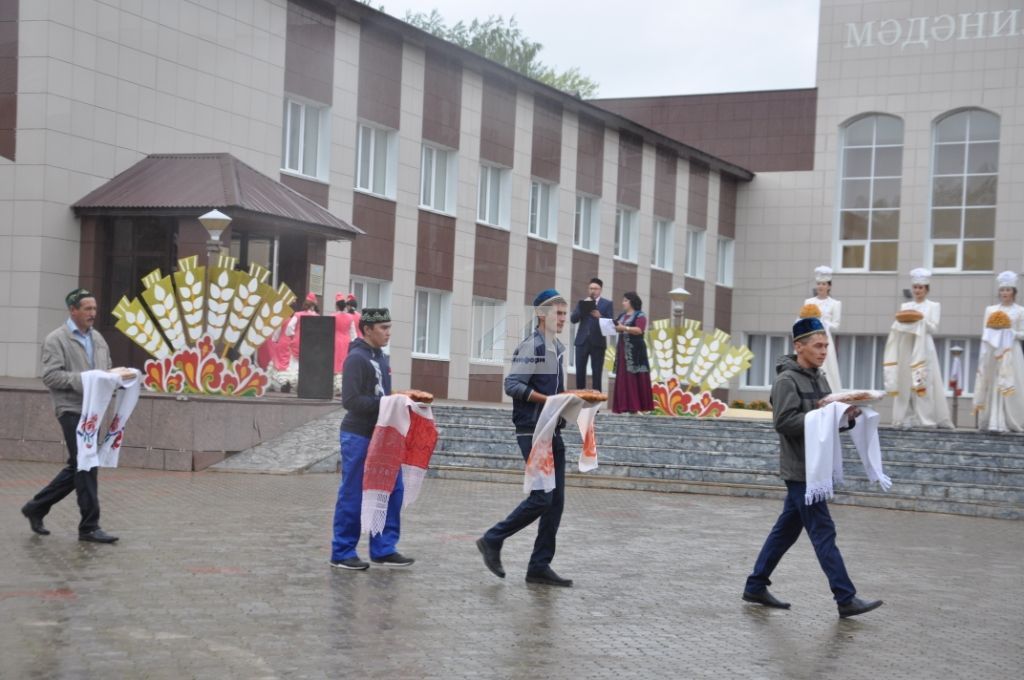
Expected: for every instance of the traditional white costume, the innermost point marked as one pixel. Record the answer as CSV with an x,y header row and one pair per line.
x,y
911,368
999,386
831,312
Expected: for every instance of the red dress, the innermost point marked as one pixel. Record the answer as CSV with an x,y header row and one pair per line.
x,y
632,371
344,327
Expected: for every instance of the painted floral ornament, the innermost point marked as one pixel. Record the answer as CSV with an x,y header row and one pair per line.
x,y
189,327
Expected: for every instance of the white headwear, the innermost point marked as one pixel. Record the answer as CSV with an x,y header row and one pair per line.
x,y
920,276
1007,279
823,274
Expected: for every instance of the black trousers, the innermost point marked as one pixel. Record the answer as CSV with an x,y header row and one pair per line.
x,y
594,355
85,484
547,506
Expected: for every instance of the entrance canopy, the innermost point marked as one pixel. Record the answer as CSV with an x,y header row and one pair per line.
x,y
189,184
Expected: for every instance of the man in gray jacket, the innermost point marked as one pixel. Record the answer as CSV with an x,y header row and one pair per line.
x,y
799,388
69,351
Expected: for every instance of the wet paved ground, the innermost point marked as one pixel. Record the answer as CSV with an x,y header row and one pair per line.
x,y
225,575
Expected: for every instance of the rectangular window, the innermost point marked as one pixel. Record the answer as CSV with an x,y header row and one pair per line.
x,y
488,330
495,196
860,361
437,179
432,323
695,253
625,234
376,160
371,292
725,261
585,230
305,144
767,349
661,250
543,210
968,362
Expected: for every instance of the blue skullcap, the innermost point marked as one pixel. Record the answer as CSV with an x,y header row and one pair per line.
x,y
808,326
547,297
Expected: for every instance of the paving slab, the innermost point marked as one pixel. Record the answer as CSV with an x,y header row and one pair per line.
x,y
226,576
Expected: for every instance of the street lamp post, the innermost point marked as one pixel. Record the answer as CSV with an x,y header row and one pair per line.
x,y
956,379
215,222
678,296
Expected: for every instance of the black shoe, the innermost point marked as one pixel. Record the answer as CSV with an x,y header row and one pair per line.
x,y
353,563
34,521
97,536
857,606
395,559
765,598
492,557
548,577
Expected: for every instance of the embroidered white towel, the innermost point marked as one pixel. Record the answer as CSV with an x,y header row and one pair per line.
x,y
823,454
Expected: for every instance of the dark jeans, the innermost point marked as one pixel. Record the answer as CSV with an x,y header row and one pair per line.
x,y
84,483
594,355
815,518
545,505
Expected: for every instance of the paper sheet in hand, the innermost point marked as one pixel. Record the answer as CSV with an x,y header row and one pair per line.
x,y
607,326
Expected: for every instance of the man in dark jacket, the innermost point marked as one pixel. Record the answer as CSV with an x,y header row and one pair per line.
x,y
537,373
799,388
365,379
590,342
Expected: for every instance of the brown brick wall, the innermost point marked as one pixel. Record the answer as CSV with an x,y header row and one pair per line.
x,y
541,262
309,51
431,376
631,159
660,306
318,192
546,162
770,131
697,203
695,304
373,253
625,281
498,122
486,386
665,163
490,263
380,76
8,77
584,268
435,251
723,308
590,156
727,207
442,100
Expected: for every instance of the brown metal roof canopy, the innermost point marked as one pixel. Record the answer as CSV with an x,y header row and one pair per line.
x,y
187,184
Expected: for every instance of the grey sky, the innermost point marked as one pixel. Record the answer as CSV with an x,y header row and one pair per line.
x,y
661,47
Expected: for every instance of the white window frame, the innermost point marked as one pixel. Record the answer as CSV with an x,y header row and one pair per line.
x,y
696,254
761,344
871,178
488,331
968,362
848,348
361,287
297,111
438,162
586,223
542,221
368,160
486,213
726,261
438,302
962,206
626,233
662,243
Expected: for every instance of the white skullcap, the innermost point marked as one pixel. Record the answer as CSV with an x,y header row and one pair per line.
x,y
920,276
823,273
1007,279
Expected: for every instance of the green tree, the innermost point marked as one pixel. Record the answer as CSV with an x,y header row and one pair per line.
x,y
503,41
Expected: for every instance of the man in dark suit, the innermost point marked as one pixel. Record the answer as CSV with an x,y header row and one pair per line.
x,y
590,343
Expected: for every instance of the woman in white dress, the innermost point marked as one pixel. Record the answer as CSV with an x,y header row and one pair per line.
x,y
911,366
831,311
999,386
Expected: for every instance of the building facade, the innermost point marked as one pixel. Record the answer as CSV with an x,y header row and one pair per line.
x,y
475,186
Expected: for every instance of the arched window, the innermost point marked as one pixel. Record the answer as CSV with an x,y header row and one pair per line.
x,y
965,163
871,170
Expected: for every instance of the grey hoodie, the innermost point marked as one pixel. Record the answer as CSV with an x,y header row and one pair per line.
x,y
796,391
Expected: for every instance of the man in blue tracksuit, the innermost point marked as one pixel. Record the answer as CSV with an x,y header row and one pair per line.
x,y
537,373
365,378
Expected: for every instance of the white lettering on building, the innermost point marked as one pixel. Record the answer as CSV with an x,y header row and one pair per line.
x,y
922,31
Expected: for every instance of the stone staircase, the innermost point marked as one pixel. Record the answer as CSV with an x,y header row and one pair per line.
x,y
962,472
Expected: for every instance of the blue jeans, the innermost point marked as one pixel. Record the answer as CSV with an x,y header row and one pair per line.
x,y
539,504
350,504
797,515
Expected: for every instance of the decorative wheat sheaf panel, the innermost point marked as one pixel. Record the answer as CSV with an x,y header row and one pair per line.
x,y
687,363
190,324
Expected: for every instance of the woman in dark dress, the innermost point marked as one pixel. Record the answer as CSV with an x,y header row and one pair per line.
x,y
632,370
